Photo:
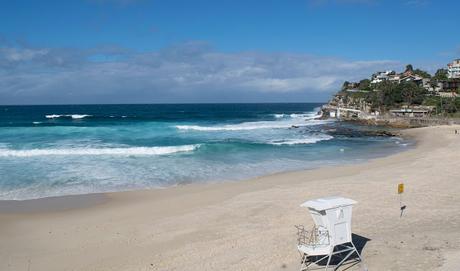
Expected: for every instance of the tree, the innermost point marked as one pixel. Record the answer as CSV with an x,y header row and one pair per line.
x,y
411,93
374,99
387,96
422,73
409,68
345,85
364,84
440,75
450,106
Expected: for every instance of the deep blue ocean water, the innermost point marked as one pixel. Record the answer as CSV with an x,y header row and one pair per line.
x,y
78,149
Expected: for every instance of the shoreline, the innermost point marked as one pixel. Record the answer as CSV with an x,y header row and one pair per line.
x,y
77,201
222,224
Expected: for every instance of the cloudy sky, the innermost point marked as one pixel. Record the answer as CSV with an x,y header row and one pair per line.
x,y
141,51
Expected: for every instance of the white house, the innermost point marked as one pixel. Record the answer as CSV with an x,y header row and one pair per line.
x,y
394,78
411,78
453,69
382,76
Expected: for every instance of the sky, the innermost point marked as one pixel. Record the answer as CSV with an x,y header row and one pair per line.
x,y
202,51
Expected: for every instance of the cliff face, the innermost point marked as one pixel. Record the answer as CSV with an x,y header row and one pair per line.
x,y
348,101
354,107
347,107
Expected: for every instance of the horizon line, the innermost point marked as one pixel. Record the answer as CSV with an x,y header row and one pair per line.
x,y
185,103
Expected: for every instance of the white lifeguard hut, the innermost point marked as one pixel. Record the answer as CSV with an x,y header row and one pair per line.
x,y
331,235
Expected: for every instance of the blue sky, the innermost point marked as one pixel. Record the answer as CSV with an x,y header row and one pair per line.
x,y
117,51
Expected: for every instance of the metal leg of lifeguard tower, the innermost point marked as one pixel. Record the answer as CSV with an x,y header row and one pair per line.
x,y
305,265
350,249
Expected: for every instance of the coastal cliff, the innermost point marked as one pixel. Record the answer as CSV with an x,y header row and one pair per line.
x,y
412,98
351,108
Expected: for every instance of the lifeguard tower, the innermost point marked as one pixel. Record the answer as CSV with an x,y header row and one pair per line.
x,y
330,239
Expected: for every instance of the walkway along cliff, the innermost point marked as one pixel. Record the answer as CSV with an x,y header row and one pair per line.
x,y
348,108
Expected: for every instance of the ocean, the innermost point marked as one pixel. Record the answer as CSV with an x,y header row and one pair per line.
x,y
57,150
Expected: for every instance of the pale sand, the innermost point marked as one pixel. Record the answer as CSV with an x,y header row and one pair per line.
x,y
249,225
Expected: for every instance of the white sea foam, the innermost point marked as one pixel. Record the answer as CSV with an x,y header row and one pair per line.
x,y
309,140
236,127
309,115
306,116
36,122
73,116
79,116
52,116
294,120
137,151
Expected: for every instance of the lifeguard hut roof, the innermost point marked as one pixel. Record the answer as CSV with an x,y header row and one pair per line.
x,y
328,203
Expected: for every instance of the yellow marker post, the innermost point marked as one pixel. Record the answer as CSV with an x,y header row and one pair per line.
x,y
400,192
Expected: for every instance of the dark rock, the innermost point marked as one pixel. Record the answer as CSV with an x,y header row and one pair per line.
x,y
353,132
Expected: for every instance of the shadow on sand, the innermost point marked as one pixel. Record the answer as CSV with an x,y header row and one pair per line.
x,y
359,242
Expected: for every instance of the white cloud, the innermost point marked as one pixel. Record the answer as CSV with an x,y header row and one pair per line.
x,y
187,72
15,54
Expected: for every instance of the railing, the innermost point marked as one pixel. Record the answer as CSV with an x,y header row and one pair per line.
x,y
318,235
423,121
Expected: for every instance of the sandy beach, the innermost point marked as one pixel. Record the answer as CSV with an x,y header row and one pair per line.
x,y
249,225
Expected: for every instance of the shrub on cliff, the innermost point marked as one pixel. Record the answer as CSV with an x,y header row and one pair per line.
x,y
390,95
411,93
440,75
422,73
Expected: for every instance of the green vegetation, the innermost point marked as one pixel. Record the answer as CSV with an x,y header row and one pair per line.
x,y
440,75
422,73
364,84
345,85
451,106
391,94
444,106
409,68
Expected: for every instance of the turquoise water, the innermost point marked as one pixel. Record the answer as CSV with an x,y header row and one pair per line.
x,y
78,149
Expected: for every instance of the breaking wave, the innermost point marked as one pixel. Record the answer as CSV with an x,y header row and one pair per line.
x,y
246,126
132,151
73,116
312,115
284,121
310,140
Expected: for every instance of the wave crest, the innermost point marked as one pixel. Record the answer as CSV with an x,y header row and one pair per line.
x,y
311,140
73,116
138,151
292,120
